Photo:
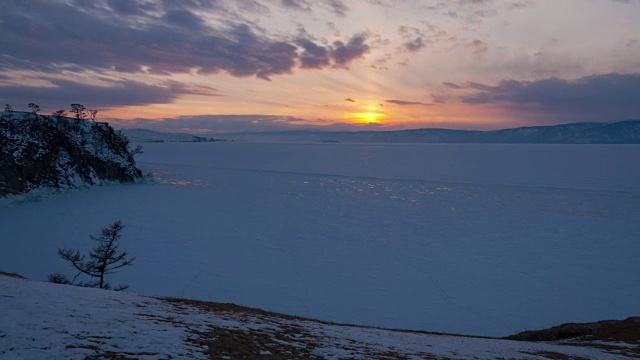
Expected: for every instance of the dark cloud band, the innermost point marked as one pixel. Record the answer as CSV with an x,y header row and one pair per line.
x,y
157,37
595,97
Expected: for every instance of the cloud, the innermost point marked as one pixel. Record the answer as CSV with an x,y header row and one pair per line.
x,y
314,56
522,4
633,43
118,93
414,45
451,85
184,19
344,53
161,37
131,7
338,7
472,2
301,5
477,46
414,38
429,36
596,97
403,102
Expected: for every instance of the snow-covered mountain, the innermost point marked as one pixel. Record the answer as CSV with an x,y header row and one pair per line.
x,y
623,132
59,152
151,136
50,321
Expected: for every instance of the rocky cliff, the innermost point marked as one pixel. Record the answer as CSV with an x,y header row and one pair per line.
x,y
60,152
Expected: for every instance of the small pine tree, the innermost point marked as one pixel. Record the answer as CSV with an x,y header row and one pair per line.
x,y
103,259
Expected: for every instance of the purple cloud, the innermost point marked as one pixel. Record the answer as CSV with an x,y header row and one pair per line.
x,y
314,56
119,93
595,97
451,85
163,37
302,5
355,48
403,102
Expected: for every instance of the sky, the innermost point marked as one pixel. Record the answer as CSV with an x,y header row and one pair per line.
x,y
215,66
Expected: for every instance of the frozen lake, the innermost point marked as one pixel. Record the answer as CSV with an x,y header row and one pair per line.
x,y
474,239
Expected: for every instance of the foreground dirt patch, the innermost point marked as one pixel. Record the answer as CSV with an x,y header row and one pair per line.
x,y
610,335
627,331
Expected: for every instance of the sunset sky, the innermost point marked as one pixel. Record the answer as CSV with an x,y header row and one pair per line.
x,y
206,66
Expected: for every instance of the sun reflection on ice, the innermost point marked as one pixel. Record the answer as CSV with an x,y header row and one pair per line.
x,y
168,177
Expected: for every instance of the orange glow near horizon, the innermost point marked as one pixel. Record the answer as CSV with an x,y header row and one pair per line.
x,y
385,116
367,117
369,114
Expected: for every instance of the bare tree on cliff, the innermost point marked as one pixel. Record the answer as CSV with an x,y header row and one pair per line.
x,y
92,115
34,108
9,112
79,111
59,114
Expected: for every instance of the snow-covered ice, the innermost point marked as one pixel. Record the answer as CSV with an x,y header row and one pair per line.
x,y
473,239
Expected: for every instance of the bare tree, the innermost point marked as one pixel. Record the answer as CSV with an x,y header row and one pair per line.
x,y
9,112
79,111
34,108
103,259
59,114
137,150
92,115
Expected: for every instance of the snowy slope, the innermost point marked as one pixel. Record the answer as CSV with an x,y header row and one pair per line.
x,y
49,321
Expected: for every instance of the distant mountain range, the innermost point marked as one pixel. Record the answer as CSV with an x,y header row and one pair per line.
x,y
622,132
151,136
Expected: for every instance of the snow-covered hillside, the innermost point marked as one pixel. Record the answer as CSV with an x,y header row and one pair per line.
x,y
58,152
151,136
50,321
623,132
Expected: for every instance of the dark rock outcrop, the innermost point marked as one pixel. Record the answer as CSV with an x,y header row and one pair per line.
x,y
627,330
58,152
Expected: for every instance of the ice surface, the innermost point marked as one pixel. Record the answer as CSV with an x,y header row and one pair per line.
x,y
474,239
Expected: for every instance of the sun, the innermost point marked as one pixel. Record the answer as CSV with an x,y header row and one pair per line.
x,y
366,112
368,117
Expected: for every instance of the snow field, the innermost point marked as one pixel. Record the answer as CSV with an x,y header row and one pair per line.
x,y
50,321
